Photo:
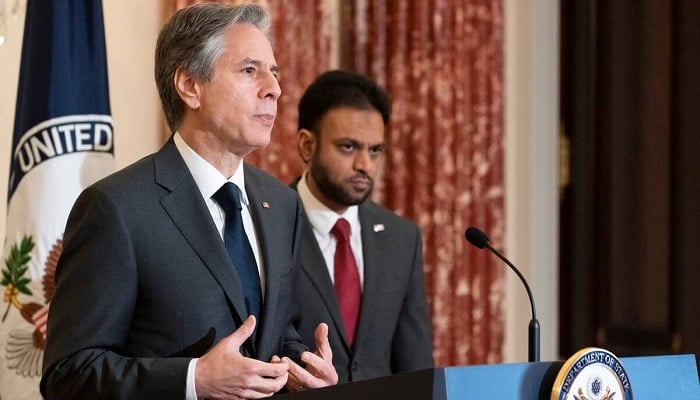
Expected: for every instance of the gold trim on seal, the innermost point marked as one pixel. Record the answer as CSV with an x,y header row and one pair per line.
x,y
570,364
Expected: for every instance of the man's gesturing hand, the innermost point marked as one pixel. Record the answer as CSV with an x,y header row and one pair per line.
x,y
319,370
224,373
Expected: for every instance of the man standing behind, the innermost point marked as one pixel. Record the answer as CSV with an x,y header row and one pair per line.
x,y
176,275
362,265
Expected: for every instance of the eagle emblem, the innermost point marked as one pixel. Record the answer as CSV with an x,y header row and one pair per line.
x,y
25,347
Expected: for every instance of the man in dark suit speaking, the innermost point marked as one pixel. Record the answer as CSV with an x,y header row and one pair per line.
x,y
362,265
176,275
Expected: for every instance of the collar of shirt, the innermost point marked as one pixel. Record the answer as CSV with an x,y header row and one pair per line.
x,y
208,178
323,218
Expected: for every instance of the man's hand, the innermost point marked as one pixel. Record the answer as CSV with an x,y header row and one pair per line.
x,y
224,373
319,370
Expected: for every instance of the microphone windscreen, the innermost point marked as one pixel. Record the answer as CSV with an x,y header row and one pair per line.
x,y
476,237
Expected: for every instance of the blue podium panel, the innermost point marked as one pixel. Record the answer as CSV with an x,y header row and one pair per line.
x,y
657,377
652,378
663,377
493,381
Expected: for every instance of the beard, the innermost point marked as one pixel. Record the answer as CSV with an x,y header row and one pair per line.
x,y
336,191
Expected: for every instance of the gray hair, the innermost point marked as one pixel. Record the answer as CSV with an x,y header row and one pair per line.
x,y
194,39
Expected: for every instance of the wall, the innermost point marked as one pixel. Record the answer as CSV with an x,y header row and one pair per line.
x,y
532,204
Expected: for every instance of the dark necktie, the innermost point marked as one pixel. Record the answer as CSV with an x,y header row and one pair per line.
x,y
347,278
238,247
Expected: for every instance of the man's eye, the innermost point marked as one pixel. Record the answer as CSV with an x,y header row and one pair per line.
x,y
376,151
249,70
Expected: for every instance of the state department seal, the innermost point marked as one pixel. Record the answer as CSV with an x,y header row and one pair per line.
x,y
592,374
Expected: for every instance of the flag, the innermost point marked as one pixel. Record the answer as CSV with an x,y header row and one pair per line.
x,y
62,142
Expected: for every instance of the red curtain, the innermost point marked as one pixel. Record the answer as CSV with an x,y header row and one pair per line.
x,y
442,63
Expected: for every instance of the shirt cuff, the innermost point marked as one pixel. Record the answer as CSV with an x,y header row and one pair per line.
x,y
190,390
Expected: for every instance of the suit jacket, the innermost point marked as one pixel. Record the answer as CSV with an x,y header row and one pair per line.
x,y
144,282
394,331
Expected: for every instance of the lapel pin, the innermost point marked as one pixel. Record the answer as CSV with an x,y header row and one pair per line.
x,y
265,204
378,227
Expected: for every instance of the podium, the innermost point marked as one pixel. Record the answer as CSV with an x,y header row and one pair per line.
x,y
655,377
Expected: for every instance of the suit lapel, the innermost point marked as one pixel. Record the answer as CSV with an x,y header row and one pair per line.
x,y
265,210
315,268
262,223
188,211
376,273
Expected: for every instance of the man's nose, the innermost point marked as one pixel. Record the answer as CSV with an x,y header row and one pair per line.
x,y
271,87
363,161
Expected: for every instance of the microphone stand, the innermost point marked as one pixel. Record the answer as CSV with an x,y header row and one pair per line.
x,y
533,331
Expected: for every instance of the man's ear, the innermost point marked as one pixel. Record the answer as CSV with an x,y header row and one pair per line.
x,y
187,87
306,144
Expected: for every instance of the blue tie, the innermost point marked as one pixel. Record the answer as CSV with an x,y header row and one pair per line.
x,y
238,247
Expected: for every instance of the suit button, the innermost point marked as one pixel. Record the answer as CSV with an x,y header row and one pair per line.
x,y
354,366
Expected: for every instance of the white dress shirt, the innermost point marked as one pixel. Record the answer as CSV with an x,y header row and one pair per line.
x,y
322,220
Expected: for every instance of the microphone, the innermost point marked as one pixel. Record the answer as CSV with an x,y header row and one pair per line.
x,y
480,240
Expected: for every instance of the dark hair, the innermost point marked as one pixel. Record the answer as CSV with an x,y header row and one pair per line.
x,y
336,89
194,39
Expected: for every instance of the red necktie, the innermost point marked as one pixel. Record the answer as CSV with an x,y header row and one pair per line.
x,y
347,278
